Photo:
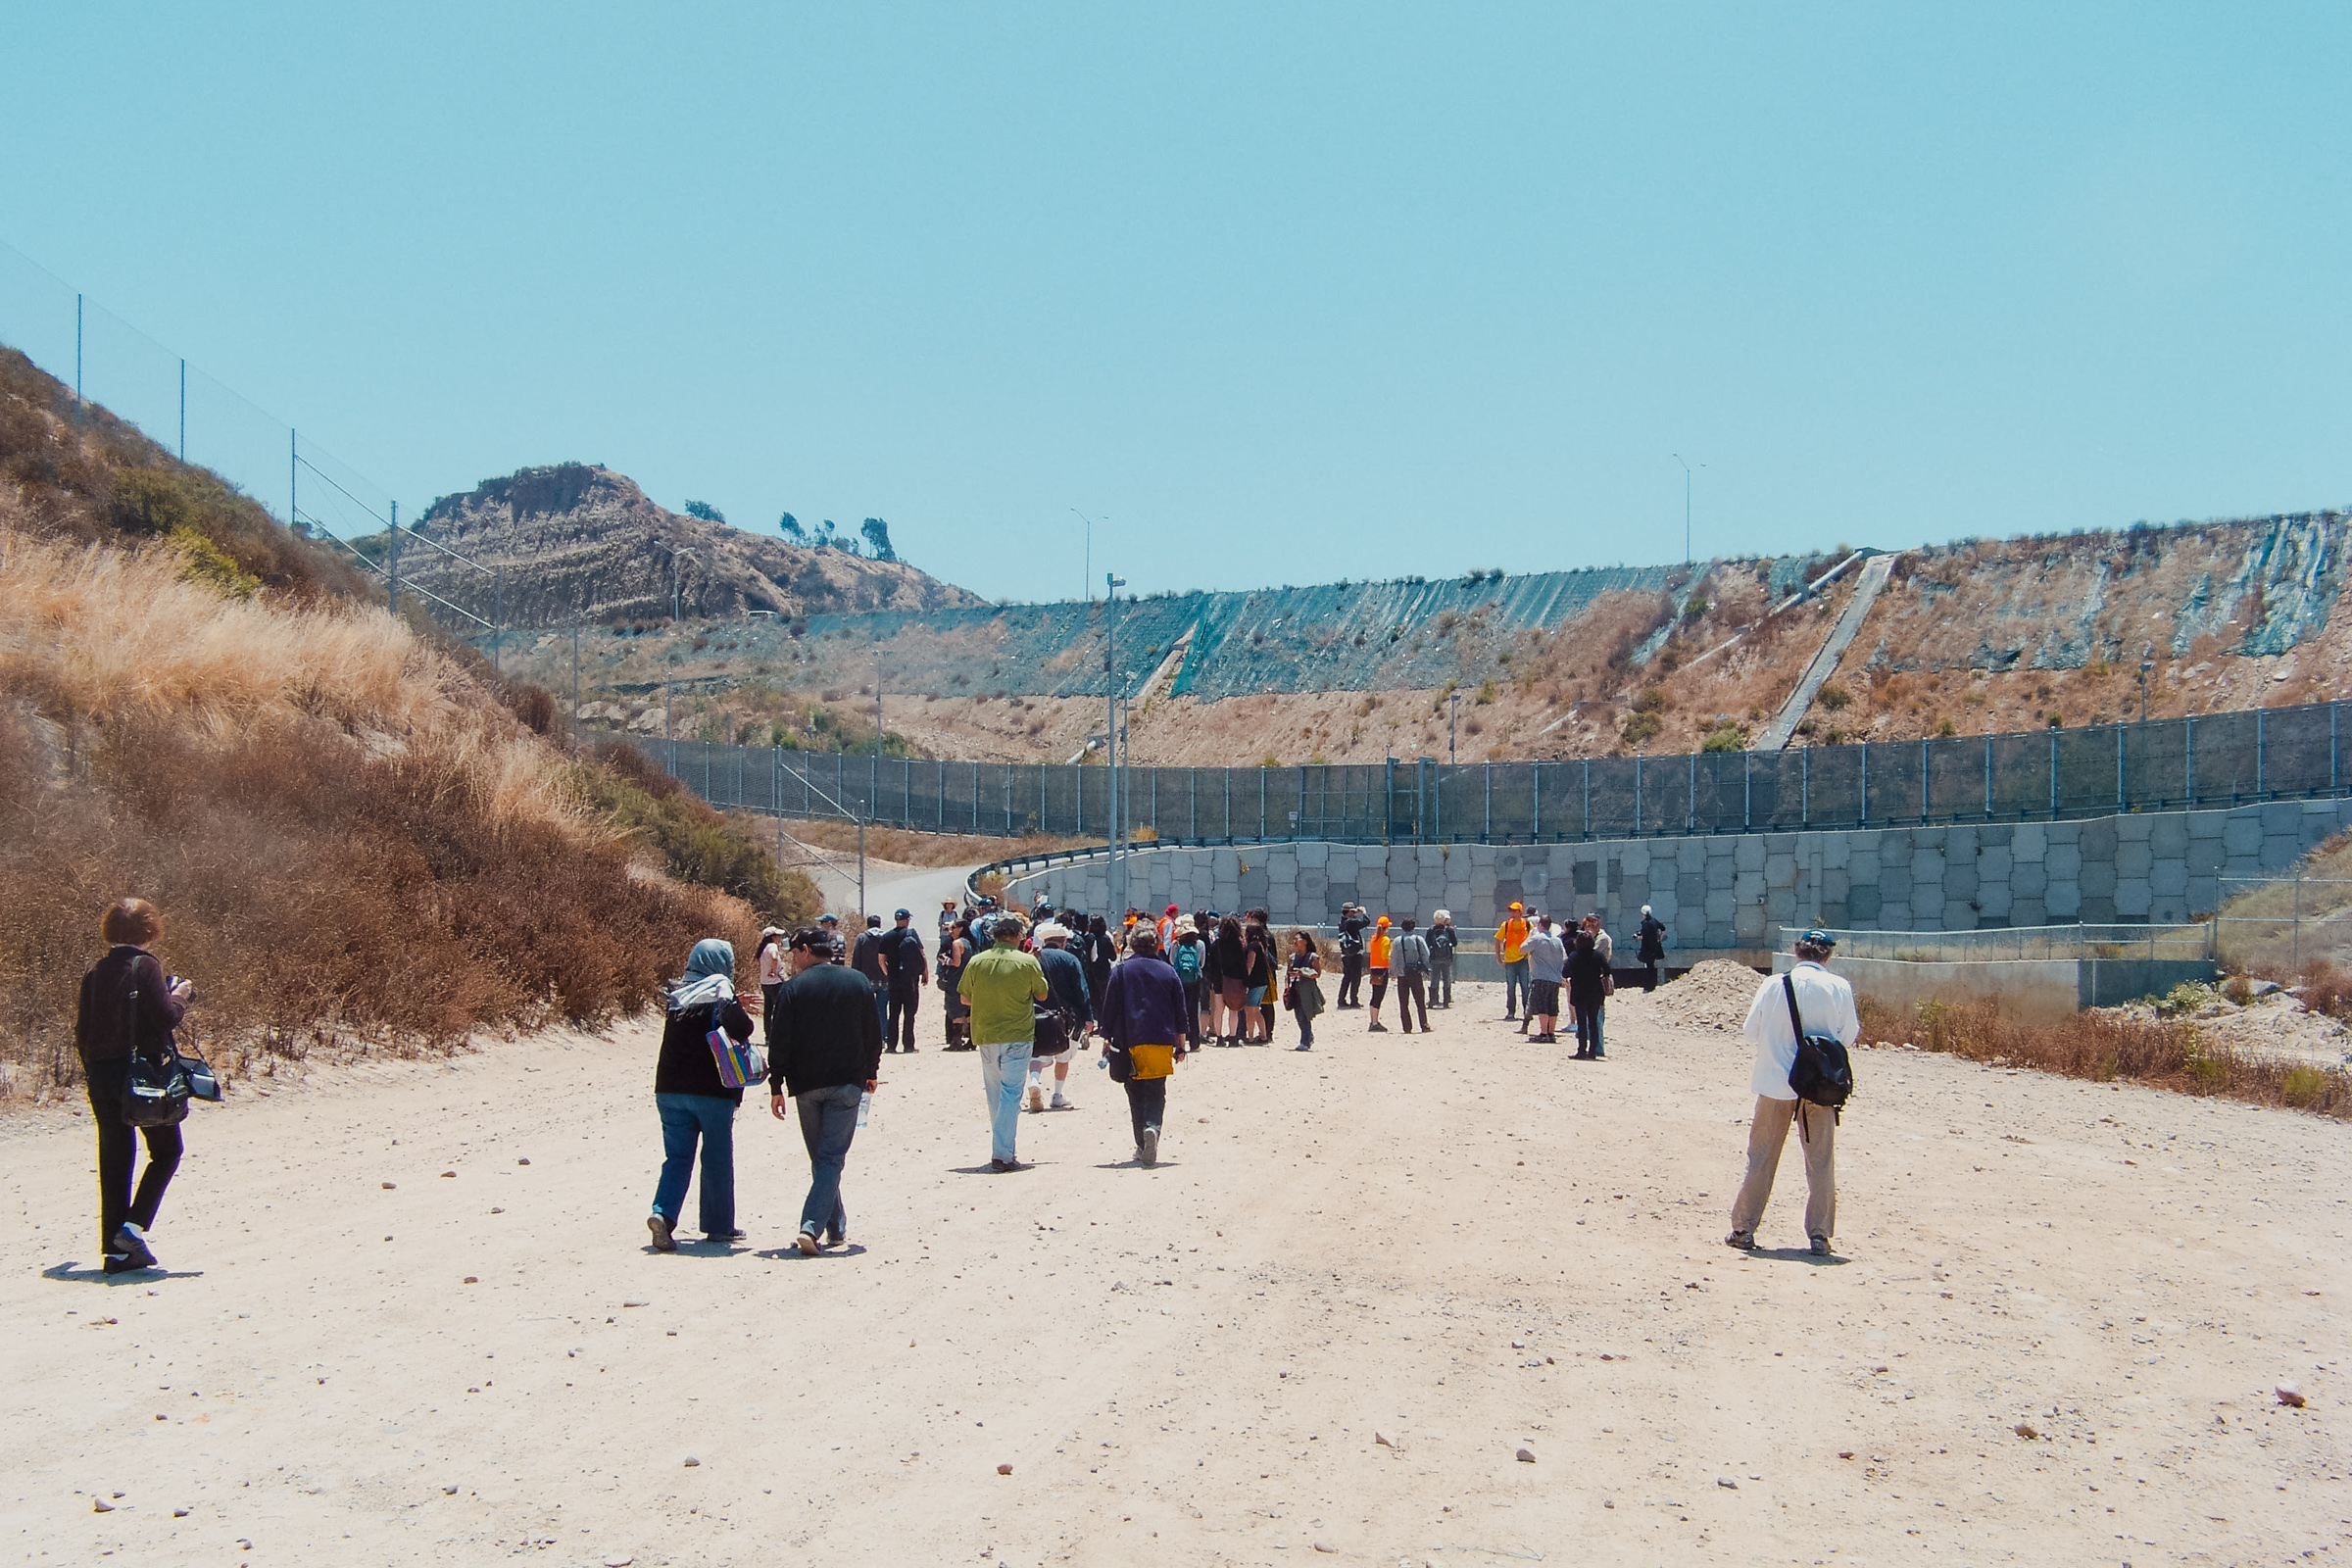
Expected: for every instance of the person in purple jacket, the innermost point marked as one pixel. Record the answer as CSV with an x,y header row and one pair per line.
x,y
1143,1015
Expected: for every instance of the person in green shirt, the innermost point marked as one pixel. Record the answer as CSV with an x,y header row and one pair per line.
x,y
999,986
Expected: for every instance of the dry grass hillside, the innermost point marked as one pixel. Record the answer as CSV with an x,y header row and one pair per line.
x,y
355,841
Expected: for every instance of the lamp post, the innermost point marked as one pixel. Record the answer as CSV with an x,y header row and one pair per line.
x,y
1113,582
1453,707
1688,558
2146,666
1088,579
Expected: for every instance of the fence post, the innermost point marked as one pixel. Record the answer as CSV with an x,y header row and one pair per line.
x,y
1690,803
1228,824
1535,800
1193,798
1636,794
1747,791
2053,775
1923,781
1804,791
2258,750
2332,785
1865,821
1486,834
2188,760
1261,802
1588,799
1988,775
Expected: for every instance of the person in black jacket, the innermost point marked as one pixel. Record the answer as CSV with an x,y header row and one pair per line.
x,y
1588,993
695,1105
1354,923
107,1029
905,967
1652,951
828,1053
866,957
1097,952
1075,1000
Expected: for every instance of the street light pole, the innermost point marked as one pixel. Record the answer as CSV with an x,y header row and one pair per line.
x,y
1453,707
1087,582
1113,582
2144,667
1688,557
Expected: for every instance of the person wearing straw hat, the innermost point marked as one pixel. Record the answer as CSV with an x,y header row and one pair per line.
x,y
1443,939
1074,1004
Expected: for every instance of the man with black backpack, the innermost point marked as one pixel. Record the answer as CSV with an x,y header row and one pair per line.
x,y
1803,1024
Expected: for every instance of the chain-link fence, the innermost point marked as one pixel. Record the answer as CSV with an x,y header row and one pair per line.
x,y
2218,760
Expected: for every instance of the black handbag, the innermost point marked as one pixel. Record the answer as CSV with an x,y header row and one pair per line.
x,y
155,1088
1120,1063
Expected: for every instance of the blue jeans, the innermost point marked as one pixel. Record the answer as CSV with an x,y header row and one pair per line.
x,y
828,1122
685,1119
1001,1070
1514,987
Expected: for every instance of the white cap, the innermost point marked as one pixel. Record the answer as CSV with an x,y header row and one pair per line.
x,y
1051,931
1645,909
1442,914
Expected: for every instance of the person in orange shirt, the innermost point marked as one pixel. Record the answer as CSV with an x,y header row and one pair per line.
x,y
1378,960
1510,945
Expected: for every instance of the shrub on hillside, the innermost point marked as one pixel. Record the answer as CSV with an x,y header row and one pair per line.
x,y
696,842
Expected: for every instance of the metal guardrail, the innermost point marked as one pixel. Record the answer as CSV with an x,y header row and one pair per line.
x,y
2144,941
2218,760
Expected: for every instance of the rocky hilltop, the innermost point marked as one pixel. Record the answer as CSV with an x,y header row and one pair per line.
x,y
575,539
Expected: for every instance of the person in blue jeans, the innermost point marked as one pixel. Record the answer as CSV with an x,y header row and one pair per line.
x,y
695,1107
828,1053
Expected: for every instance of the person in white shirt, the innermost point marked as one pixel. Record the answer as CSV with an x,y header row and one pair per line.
x,y
1826,1002
1546,962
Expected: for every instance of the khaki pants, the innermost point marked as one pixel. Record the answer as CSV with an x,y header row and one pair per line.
x,y
1766,1135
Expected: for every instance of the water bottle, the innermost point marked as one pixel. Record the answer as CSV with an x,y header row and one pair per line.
x,y
865,1106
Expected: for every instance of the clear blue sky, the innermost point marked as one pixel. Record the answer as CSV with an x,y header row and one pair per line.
x,y
1305,291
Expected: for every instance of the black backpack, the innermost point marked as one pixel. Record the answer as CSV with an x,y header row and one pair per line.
x,y
1823,1072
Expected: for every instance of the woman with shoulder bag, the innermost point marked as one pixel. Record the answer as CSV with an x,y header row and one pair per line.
x,y
129,1004
697,1106
1302,990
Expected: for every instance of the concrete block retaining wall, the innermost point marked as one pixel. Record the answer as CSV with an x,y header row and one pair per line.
x,y
1735,892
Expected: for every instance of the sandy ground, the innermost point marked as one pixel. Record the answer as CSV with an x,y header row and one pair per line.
x,y
411,1318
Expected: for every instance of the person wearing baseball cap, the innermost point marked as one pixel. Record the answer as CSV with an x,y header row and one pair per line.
x,y
906,968
1167,929
831,924
1810,999
1376,955
1002,986
1510,942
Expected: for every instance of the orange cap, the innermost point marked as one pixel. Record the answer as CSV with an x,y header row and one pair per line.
x,y
1518,906
1384,919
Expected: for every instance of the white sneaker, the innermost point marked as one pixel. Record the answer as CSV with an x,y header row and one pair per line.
x,y
1037,1097
1061,1102
1146,1148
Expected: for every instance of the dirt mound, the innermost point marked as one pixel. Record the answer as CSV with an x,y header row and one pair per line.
x,y
1715,994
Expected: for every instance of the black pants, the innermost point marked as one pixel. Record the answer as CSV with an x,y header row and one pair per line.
x,y
117,1147
898,1025
1650,974
1351,981
1380,988
1440,981
1146,1103
1409,991
1192,1012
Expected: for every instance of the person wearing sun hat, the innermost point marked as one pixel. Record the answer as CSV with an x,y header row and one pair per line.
x,y
1825,1001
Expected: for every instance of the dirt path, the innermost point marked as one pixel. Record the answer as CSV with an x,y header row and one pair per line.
x,y
1463,1246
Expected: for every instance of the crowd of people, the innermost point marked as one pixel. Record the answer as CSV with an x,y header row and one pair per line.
x,y
1026,994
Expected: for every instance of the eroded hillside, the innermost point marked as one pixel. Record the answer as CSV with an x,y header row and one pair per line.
x,y
575,540
1963,639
